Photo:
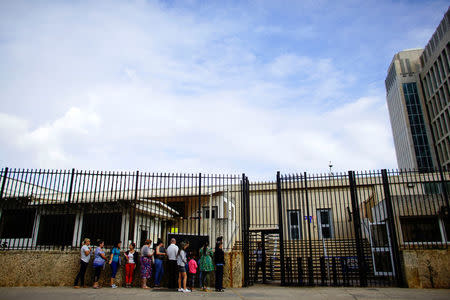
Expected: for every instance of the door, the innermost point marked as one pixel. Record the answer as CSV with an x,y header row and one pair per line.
x,y
381,248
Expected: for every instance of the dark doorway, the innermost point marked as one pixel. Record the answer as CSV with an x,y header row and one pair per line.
x,y
195,241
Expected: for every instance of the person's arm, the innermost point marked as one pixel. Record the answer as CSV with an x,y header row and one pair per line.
x,y
111,258
86,252
102,255
159,253
126,256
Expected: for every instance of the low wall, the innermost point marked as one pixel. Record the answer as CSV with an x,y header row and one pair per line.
x,y
427,268
59,268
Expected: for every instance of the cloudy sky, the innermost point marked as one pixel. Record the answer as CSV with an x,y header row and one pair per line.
x,y
202,86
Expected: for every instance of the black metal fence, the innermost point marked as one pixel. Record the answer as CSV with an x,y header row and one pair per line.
x,y
343,229
54,209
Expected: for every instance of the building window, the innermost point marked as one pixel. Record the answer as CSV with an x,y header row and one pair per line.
x,y
425,229
325,223
206,212
56,229
102,226
417,126
17,223
295,230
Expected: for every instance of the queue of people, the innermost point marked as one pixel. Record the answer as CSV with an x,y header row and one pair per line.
x,y
184,268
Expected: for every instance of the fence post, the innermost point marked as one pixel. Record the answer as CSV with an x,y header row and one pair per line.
x,y
334,270
69,199
357,228
245,233
199,202
308,216
300,270
280,230
5,174
392,229
133,210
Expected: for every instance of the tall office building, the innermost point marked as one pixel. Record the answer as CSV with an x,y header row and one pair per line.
x,y
435,74
407,113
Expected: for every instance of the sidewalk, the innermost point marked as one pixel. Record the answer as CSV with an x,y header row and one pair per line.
x,y
255,292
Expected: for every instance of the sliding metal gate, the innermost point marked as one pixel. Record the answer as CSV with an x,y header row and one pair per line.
x,y
328,230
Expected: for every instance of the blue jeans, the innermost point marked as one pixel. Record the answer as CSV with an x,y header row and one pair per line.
x,y
159,271
114,267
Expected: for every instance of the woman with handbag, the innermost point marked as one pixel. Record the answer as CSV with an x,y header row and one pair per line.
x,y
99,262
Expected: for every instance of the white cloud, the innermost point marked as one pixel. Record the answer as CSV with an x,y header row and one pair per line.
x,y
144,87
49,144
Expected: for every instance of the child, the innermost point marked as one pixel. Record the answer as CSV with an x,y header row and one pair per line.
x,y
181,262
192,271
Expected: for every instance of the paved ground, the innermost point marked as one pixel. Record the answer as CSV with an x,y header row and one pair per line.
x,y
255,292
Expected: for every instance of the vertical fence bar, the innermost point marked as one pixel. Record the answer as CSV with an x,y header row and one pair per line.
x,y
133,209
310,258
357,228
199,202
245,232
392,229
69,197
280,230
5,175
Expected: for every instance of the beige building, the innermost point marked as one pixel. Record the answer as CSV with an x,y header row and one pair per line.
x,y
435,74
417,93
412,137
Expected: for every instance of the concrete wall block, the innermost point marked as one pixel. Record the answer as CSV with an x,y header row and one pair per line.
x,y
59,268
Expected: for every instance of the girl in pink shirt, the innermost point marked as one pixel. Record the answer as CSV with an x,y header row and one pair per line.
x,y
192,264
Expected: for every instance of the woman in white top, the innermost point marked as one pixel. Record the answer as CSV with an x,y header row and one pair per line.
x,y
132,258
84,261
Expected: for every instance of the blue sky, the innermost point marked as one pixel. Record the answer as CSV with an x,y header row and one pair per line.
x,y
202,86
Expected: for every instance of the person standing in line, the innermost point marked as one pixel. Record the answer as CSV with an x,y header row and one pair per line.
x,y
99,263
160,254
114,262
192,266
206,264
181,262
259,263
132,258
219,261
84,261
146,263
172,252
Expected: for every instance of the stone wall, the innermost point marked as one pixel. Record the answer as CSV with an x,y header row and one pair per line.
x,y
427,268
59,268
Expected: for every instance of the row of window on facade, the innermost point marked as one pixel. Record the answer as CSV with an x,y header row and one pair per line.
x,y
414,229
59,229
437,74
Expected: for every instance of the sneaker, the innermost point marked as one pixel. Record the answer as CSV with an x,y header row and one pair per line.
x,y
186,291
180,290
114,286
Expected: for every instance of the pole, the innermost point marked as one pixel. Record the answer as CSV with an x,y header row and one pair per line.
x,y
280,230
357,228
392,229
